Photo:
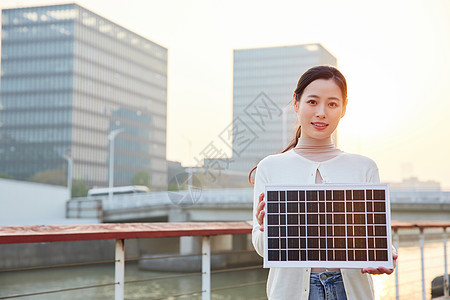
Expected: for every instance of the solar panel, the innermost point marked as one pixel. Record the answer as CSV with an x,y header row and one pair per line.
x,y
327,226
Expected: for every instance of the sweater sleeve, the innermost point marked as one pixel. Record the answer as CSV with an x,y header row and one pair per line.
x,y
257,234
372,175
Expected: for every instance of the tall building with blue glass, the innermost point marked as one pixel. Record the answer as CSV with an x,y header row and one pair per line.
x,y
69,77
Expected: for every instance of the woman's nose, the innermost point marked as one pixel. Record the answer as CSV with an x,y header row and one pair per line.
x,y
320,112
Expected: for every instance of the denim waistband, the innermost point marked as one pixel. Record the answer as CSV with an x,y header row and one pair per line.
x,y
328,276
327,285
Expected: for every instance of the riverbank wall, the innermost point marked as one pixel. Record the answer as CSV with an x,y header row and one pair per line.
x,y
18,256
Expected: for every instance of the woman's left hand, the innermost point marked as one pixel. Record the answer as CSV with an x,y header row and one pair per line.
x,y
382,270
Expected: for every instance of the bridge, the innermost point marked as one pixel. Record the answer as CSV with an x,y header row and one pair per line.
x,y
196,205
216,205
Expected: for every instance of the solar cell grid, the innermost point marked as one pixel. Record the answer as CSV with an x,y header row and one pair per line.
x,y
327,226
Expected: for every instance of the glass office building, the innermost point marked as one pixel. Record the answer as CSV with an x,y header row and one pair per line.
x,y
68,78
264,80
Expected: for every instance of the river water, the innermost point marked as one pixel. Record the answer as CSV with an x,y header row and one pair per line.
x,y
12,283
410,274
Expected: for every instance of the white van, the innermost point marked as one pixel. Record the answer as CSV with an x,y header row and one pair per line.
x,y
119,190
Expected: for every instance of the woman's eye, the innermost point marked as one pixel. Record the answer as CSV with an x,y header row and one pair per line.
x,y
311,101
333,104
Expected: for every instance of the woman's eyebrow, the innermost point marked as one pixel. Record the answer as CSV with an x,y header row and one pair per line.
x,y
334,98
330,98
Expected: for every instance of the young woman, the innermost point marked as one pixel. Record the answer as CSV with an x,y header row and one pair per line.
x,y
319,101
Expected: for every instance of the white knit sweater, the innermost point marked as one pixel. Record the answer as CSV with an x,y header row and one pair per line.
x,y
289,168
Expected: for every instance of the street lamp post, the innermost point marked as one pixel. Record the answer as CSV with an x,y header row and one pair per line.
x,y
112,135
69,159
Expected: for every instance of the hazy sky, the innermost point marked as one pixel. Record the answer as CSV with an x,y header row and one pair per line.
x,y
395,55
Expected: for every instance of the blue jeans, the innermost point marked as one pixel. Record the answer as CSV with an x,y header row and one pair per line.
x,y
326,286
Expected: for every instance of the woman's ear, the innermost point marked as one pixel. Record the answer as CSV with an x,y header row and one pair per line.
x,y
344,109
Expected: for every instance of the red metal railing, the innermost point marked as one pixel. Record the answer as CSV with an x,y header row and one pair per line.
x,y
120,232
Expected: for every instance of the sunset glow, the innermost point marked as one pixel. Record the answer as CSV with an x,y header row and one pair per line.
x,y
394,55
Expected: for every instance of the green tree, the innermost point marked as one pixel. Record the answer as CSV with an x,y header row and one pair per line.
x,y
173,187
6,176
55,176
141,178
79,189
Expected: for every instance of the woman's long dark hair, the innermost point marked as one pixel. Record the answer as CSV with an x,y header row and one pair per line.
x,y
314,73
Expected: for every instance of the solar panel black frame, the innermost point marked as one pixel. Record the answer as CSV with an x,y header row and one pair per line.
x,y
351,226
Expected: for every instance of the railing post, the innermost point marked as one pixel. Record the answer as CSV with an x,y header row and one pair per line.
x,y
396,245
444,236
206,268
120,270
422,260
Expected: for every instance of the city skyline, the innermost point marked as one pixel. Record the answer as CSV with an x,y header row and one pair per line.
x,y
71,81
394,56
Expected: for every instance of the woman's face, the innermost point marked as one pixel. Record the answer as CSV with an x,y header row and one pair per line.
x,y
320,108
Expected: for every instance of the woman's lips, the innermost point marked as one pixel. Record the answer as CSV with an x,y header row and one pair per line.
x,y
319,125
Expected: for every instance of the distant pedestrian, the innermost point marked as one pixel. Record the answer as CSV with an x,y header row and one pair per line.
x,y
320,101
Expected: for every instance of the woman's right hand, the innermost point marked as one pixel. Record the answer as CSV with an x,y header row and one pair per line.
x,y
260,211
